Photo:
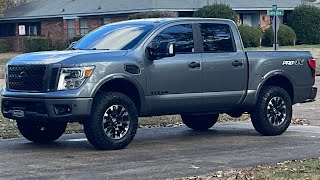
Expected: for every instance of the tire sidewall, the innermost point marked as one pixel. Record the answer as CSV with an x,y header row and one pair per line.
x,y
101,104
267,94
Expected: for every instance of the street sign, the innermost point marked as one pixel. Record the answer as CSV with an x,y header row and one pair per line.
x,y
274,7
278,12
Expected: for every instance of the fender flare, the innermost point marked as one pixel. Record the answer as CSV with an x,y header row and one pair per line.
x,y
270,75
124,77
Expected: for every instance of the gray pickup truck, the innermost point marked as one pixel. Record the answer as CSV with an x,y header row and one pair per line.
x,y
190,66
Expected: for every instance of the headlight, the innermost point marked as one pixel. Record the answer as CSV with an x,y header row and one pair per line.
x,y
73,78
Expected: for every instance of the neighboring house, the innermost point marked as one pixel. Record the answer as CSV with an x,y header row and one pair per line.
x,y
64,19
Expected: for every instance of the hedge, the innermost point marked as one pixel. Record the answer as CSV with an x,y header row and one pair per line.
x,y
4,46
251,36
35,44
305,21
217,10
286,36
153,14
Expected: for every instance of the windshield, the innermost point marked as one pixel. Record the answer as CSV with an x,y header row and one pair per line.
x,y
114,37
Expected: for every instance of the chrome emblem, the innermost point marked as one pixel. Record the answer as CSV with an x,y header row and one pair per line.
x,y
23,74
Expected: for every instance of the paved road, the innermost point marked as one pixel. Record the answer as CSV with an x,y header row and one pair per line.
x,y
157,153
161,153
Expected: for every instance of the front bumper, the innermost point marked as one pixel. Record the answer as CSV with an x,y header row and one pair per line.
x,y
76,109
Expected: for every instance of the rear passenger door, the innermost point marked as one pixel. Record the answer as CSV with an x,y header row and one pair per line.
x,y
224,66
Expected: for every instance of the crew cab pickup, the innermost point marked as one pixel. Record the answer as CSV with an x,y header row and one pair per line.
x,y
190,66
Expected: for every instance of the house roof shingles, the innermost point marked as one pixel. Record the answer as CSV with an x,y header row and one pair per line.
x,y
63,8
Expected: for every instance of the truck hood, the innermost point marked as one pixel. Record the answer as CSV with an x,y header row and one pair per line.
x,y
68,57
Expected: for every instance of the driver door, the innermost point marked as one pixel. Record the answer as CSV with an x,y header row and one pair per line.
x,y
174,84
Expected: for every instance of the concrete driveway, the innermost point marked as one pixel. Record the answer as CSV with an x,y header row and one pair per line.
x,y
160,153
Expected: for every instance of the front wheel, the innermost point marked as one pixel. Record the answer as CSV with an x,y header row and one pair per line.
x,y
41,132
113,122
200,122
273,112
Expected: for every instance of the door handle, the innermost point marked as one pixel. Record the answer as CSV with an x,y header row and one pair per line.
x,y
194,65
237,63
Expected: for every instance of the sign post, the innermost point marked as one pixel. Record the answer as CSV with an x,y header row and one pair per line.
x,y
275,12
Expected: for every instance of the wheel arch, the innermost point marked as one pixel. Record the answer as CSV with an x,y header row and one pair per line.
x,y
123,84
279,79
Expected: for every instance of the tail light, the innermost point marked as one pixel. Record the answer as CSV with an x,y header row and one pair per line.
x,y
313,66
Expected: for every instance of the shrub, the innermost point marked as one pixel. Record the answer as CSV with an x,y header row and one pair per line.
x,y
305,21
35,44
217,11
59,45
250,36
4,46
153,14
286,36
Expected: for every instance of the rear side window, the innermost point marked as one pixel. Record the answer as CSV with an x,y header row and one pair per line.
x,y
181,35
217,38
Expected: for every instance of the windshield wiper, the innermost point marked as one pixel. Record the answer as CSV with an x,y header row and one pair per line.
x,y
99,49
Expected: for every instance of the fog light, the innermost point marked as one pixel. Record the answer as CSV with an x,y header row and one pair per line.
x,y
62,109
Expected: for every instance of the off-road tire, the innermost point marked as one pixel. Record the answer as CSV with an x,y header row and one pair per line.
x,y
200,122
259,116
94,126
40,132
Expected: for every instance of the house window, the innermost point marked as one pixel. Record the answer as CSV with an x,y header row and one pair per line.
x,y
83,27
7,29
71,29
32,28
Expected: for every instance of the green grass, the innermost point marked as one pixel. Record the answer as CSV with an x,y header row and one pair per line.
x,y
304,46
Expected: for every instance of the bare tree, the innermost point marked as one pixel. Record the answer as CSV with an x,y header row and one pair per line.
x,y
5,4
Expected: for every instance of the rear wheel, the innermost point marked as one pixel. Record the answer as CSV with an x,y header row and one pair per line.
x,y
200,122
273,112
113,122
40,132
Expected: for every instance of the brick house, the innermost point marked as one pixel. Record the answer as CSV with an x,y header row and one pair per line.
x,y
64,19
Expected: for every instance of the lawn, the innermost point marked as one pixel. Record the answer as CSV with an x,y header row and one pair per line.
x,y
297,170
301,47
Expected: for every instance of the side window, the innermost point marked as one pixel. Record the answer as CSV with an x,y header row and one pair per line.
x,y
217,38
180,35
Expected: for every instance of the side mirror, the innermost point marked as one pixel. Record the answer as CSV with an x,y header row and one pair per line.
x,y
72,44
164,49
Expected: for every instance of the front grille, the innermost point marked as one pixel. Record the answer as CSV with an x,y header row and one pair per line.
x,y
26,78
